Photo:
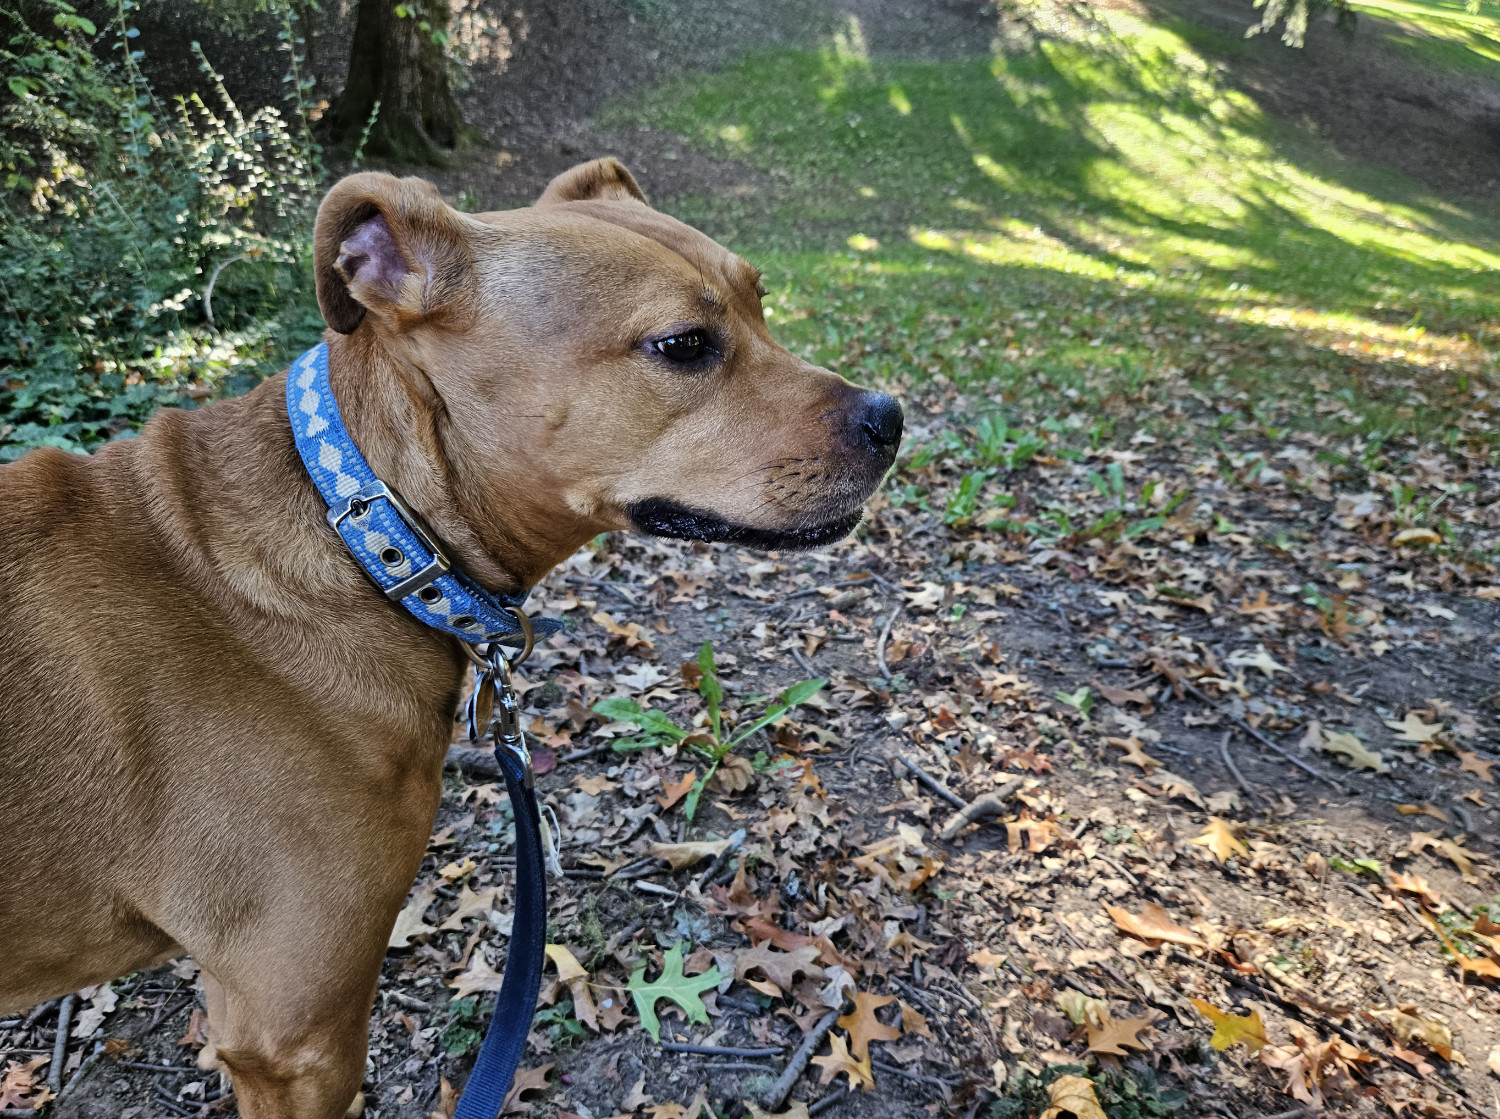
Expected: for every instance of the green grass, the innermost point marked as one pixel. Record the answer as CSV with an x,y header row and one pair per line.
x,y
1446,32
1014,223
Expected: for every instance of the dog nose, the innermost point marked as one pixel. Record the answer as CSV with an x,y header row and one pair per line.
x,y
880,421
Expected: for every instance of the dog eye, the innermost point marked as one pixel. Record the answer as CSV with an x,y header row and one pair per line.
x,y
684,348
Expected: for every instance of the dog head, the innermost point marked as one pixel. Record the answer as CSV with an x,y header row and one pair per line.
x,y
589,363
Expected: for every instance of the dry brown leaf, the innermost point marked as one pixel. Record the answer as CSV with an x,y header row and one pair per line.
x,y
1421,840
681,855
671,793
479,977
570,973
1220,839
1112,1033
1405,1027
864,1027
781,968
470,904
409,921
1422,810
527,1080
1413,729
840,1063
913,1023
447,1100
1135,752
1075,1096
1230,1029
1470,762
1152,924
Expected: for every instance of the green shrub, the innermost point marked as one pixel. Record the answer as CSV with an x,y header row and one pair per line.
x,y
117,213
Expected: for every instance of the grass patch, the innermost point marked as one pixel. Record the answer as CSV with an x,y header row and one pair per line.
x,y
1067,226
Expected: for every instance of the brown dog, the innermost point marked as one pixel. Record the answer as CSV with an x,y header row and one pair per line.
x,y
218,737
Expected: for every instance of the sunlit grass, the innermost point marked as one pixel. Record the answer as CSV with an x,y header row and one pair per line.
x,y
1116,180
1445,31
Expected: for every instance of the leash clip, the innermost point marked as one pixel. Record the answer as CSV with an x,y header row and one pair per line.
x,y
494,705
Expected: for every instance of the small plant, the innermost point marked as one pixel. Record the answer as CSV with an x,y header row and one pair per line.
x,y
562,1028
964,501
715,742
462,1034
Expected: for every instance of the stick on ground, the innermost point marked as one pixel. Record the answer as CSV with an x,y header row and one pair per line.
x,y
933,783
60,1046
777,1093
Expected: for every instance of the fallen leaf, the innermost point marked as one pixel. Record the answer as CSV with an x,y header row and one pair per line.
x,y
1152,924
1470,762
409,921
1415,538
1081,1008
684,990
781,968
1229,1029
1261,660
447,1100
470,904
681,855
1121,696
1135,752
527,1080
20,1088
840,1063
1415,884
1413,729
913,1023
1493,1061
1074,1095
1220,839
1421,840
795,1110
1405,1027
196,1034
570,973
1112,1033
479,977
637,1097
864,1027
596,786
671,793
1353,751
1422,810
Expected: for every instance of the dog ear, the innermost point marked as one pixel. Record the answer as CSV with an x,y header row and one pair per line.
x,y
599,178
391,247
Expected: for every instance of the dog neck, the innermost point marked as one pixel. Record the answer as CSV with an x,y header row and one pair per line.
x,y
498,528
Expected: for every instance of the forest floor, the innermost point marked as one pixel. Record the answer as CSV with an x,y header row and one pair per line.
x,y
1188,564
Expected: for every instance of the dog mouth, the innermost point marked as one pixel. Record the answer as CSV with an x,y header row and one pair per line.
x,y
662,516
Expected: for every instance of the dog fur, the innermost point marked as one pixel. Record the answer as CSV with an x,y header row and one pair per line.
x,y
217,736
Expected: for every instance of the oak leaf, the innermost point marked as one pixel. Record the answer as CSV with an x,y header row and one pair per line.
x,y
1415,884
1421,840
681,855
1220,839
1413,729
1135,753
864,1027
1261,660
1111,1033
1152,924
470,904
781,968
1423,810
1405,1027
1073,1095
527,1080
596,786
1354,752
684,990
1229,1029
409,921
1471,762
913,1023
479,977
840,1063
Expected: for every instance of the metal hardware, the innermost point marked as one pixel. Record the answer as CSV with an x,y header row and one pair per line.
x,y
493,704
528,636
357,504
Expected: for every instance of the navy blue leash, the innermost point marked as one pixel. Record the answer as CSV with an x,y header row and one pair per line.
x,y
404,561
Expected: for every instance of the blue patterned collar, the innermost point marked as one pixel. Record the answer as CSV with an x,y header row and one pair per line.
x,y
385,537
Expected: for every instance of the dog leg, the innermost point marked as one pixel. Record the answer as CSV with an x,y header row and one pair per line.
x,y
293,1044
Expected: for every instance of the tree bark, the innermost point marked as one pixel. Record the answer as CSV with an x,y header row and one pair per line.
x,y
397,62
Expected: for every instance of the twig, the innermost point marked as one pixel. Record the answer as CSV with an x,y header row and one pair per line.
x,y
899,1071
1234,772
83,1070
986,807
1292,1113
720,1050
60,1045
732,1066
1262,739
163,1070
776,1094
740,1004
933,783
828,1101
604,584
885,635
719,860
36,1012
586,752
653,888
803,662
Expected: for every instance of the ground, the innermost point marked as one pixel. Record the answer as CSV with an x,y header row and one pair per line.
x,y
1189,558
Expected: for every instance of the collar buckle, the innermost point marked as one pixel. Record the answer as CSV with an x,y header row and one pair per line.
x,y
357,505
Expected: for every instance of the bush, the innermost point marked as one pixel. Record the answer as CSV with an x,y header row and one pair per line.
x,y
118,214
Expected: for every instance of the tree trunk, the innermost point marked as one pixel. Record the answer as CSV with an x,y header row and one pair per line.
x,y
396,61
